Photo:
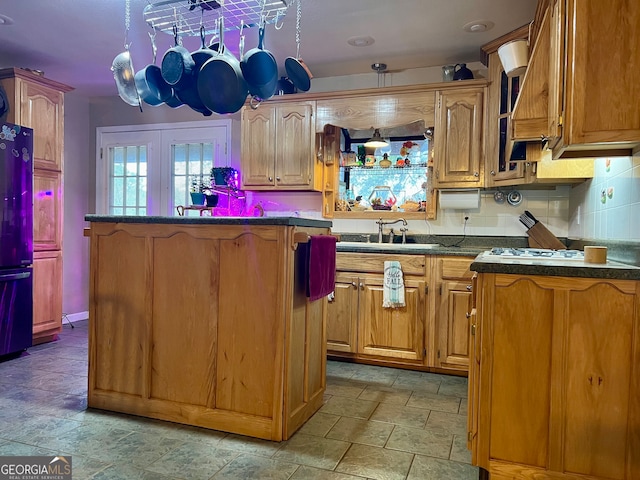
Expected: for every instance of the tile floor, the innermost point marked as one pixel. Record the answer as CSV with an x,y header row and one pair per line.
x,y
376,423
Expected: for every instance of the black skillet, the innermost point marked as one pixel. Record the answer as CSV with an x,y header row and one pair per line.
x,y
152,88
221,85
189,93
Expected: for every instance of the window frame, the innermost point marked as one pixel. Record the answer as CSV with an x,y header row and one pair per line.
x,y
158,139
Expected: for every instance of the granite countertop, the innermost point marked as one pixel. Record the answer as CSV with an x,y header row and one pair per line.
x,y
555,268
282,221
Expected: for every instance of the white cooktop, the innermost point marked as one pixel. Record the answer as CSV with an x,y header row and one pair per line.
x,y
537,254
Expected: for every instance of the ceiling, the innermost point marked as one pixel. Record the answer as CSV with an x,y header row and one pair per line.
x,y
75,41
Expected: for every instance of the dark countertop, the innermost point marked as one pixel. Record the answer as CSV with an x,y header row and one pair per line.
x,y
414,250
283,221
611,269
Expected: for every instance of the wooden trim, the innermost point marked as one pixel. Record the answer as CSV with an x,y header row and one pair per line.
x,y
14,72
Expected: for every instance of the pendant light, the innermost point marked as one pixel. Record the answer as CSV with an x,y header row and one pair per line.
x,y
376,141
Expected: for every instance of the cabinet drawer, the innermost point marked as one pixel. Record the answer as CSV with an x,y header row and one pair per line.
x,y
374,263
451,267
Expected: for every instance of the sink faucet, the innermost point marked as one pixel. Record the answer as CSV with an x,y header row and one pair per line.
x,y
381,222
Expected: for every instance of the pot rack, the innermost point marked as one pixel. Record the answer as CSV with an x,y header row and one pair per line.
x,y
189,15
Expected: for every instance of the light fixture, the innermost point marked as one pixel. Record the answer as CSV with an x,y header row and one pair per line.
x,y
376,141
478,26
5,20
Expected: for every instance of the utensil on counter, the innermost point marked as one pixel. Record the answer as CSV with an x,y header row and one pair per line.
x,y
526,221
530,215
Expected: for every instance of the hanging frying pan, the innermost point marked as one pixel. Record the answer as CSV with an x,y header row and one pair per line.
x,y
177,64
297,70
189,94
221,85
260,69
152,88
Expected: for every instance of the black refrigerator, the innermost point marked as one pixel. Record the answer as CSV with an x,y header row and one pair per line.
x,y
16,238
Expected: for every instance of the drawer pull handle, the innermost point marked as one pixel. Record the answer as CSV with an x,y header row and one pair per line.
x,y
469,288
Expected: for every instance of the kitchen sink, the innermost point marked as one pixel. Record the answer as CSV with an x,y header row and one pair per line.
x,y
389,246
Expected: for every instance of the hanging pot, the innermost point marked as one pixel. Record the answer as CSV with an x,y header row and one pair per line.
x,y
152,88
189,93
177,64
122,68
260,69
221,85
297,70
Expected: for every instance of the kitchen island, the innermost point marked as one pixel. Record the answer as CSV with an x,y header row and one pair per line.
x,y
205,321
554,376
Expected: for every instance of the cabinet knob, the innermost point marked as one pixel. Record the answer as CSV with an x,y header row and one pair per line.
x,y
492,172
476,174
271,179
468,315
469,287
278,178
354,284
361,286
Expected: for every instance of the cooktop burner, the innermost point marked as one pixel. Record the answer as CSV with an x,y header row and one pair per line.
x,y
537,253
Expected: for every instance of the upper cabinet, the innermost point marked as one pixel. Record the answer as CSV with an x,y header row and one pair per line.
x,y
582,71
458,145
278,147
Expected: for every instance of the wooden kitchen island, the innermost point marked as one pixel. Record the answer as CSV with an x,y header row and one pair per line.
x,y
205,321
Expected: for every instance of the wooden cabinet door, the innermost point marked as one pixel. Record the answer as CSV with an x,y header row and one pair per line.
x,y
602,361
342,315
47,295
258,147
47,210
391,332
295,145
453,325
41,109
458,138
502,94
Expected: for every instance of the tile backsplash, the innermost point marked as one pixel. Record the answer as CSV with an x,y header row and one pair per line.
x,y
603,208
606,207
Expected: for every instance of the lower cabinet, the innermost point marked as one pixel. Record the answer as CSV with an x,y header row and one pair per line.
x,y
554,390
431,332
47,295
358,326
453,291
391,332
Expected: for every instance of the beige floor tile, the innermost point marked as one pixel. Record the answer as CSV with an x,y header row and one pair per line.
x,y
356,430
418,383
385,395
319,424
423,442
456,389
459,452
401,415
349,407
310,473
255,446
247,467
429,468
344,387
375,463
452,423
312,451
431,401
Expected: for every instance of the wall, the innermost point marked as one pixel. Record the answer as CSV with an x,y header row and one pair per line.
x,y
614,215
75,247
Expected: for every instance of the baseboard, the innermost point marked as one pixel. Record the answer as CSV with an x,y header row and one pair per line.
x,y
76,317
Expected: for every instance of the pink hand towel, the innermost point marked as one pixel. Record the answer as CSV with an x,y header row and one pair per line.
x,y
321,267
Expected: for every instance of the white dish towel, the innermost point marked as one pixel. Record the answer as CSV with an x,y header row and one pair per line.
x,y
393,289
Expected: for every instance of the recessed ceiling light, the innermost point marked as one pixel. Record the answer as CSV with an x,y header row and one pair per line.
x,y
478,26
4,20
360,41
